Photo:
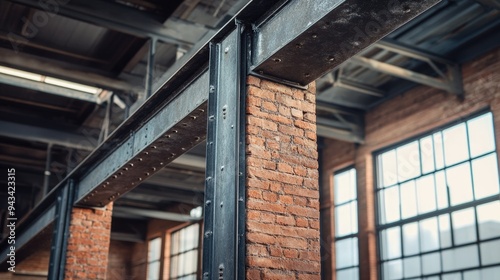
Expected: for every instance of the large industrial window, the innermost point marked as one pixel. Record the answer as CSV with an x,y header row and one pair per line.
x,y
154,257
438,205
346,224
184,253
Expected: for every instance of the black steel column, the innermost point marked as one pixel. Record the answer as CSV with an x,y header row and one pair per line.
x,y
61,232
224,238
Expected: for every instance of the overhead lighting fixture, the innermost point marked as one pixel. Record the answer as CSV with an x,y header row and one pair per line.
x,y
49,80
71,85
20,74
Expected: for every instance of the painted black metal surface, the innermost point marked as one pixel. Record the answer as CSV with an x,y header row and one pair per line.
x,y
223,246
300,47
61,232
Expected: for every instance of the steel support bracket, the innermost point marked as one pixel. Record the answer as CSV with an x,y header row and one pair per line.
x,y
224,234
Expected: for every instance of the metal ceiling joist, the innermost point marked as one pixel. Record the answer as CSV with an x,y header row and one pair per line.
x,y
451,81
40,66
342,130
113,16
48,88
154,214
44,135
339,134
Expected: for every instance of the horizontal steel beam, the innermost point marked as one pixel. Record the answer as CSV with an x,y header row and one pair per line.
x,y
403,73
358,87
339,134
113,16
190,161
38,65
48,88
313,37
44,135
173,130
154,214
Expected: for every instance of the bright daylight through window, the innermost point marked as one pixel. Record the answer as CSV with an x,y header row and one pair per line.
x,y
154,257
438,205
184,253
346,224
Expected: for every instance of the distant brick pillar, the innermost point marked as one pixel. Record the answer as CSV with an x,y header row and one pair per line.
x,y
282,182
88,243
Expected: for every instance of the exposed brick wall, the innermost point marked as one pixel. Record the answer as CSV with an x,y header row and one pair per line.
x,y
139,261
408,115
282,182
88,243
119,260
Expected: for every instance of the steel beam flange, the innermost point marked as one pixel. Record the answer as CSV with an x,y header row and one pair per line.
x,y
186,134
325,34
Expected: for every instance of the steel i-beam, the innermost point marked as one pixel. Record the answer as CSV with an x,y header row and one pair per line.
x,y
223,244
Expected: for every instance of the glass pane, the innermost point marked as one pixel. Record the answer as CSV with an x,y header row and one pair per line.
x,y
391,204
427,154
410,238
472,274
488,216
346,219
441,189
174,265
490,272
388,169
345,186
464,226
459,183
426,194
485,172
408,161
429,239
431,263
411,267
392,243
460,258
175,243
481,135
438,150
346,252
452,276
490,252
408,200
445,231
348,274
154,249
393,270
455,144
154,270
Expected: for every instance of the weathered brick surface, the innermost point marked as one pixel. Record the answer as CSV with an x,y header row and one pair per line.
x,y
417,111
282,182
88,243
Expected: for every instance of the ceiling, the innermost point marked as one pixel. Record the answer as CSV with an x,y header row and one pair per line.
x,y
46,128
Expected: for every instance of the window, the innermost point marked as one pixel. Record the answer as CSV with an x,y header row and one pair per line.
x,y
154,256
184,253
438,205
346,224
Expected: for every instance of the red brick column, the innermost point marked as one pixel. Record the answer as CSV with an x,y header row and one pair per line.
x,y
282,183
88,243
